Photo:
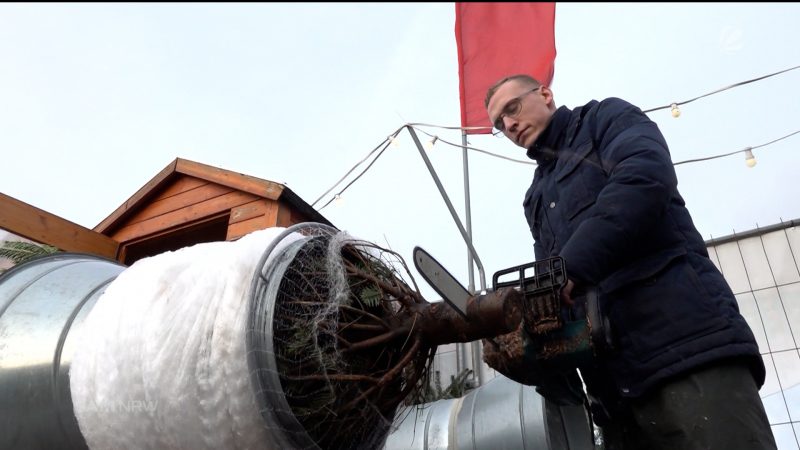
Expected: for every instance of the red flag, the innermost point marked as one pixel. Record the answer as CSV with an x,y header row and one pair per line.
x,y
496,40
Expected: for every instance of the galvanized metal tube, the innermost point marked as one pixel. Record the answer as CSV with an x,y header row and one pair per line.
x,y
42,306
499,414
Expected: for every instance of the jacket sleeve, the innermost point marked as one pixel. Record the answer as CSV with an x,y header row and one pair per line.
x,y
640,184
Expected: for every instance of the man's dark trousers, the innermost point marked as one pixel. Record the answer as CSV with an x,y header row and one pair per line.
x,y
715,407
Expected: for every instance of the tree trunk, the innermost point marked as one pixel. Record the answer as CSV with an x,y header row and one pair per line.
x,y
488,315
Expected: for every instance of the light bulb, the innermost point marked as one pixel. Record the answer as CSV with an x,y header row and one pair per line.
x,y
749,159
429,145
393,141
675,111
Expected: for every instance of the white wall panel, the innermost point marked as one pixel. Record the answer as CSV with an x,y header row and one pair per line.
x,y
755,261
445,364
784,437
793,234
730,261
771,395
749,310
712,254
787,365
780,257
790,295
779,335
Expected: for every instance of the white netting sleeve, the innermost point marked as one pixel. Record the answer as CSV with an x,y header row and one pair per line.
x,y
162,363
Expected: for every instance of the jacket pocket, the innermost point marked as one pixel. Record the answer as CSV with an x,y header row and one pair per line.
x,y
664,312
571,157
642,269
579,179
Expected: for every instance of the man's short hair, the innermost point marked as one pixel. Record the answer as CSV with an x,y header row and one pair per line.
x,y
525,79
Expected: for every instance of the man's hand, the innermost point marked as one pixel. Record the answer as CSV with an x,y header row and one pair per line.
x,y
504,353
507,355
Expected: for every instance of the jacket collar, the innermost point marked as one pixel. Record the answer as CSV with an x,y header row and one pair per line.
x,y
544,148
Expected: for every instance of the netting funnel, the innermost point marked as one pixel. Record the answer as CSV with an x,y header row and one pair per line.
x,y
329,358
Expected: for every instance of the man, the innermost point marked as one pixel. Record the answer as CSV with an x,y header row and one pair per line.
x,y
685,369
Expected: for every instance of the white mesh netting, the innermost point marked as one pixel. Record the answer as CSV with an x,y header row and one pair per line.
x,y
162,359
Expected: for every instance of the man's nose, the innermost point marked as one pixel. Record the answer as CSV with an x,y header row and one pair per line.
x,y
509,123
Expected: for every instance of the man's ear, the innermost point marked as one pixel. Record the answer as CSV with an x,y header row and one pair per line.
x,y
547,94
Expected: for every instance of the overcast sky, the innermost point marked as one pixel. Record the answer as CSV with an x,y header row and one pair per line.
x,y
98,98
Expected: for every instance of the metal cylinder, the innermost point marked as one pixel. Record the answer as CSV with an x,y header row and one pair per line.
x,y
501,414
42,306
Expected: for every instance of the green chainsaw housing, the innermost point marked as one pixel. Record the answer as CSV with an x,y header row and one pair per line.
x,y
558,335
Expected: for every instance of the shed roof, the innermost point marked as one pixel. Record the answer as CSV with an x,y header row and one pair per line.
x,y
179,167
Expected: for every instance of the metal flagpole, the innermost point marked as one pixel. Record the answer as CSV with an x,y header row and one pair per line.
x,y
473,255
477,358
449,205
462,350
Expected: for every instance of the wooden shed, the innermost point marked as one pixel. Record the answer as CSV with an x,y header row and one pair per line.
x,y
189,202
186,203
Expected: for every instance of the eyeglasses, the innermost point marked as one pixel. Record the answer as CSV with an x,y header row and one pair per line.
x,y
512,109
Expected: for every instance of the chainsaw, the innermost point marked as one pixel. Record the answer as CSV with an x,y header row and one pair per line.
x,y
559,334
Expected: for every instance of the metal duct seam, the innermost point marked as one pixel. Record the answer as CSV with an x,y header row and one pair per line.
x,y
454,412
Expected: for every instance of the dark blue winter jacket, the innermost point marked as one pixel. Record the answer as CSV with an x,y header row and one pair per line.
x,y
604,197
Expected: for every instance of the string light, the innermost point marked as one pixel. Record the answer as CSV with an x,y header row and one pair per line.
x,y
378,148
675,111
748,152
674,107
381,147
749,159
486,152
741,83
338,200
429,145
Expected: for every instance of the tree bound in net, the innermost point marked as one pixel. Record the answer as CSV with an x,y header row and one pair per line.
x,y
351,339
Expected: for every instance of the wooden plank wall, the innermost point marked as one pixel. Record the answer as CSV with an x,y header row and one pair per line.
x,y
288,216
186,200
41,226
256,215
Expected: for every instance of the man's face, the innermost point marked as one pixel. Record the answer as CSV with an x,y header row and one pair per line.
x,y
522,110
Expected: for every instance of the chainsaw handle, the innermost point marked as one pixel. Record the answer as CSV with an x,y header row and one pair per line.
x,y
548,274
601,335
